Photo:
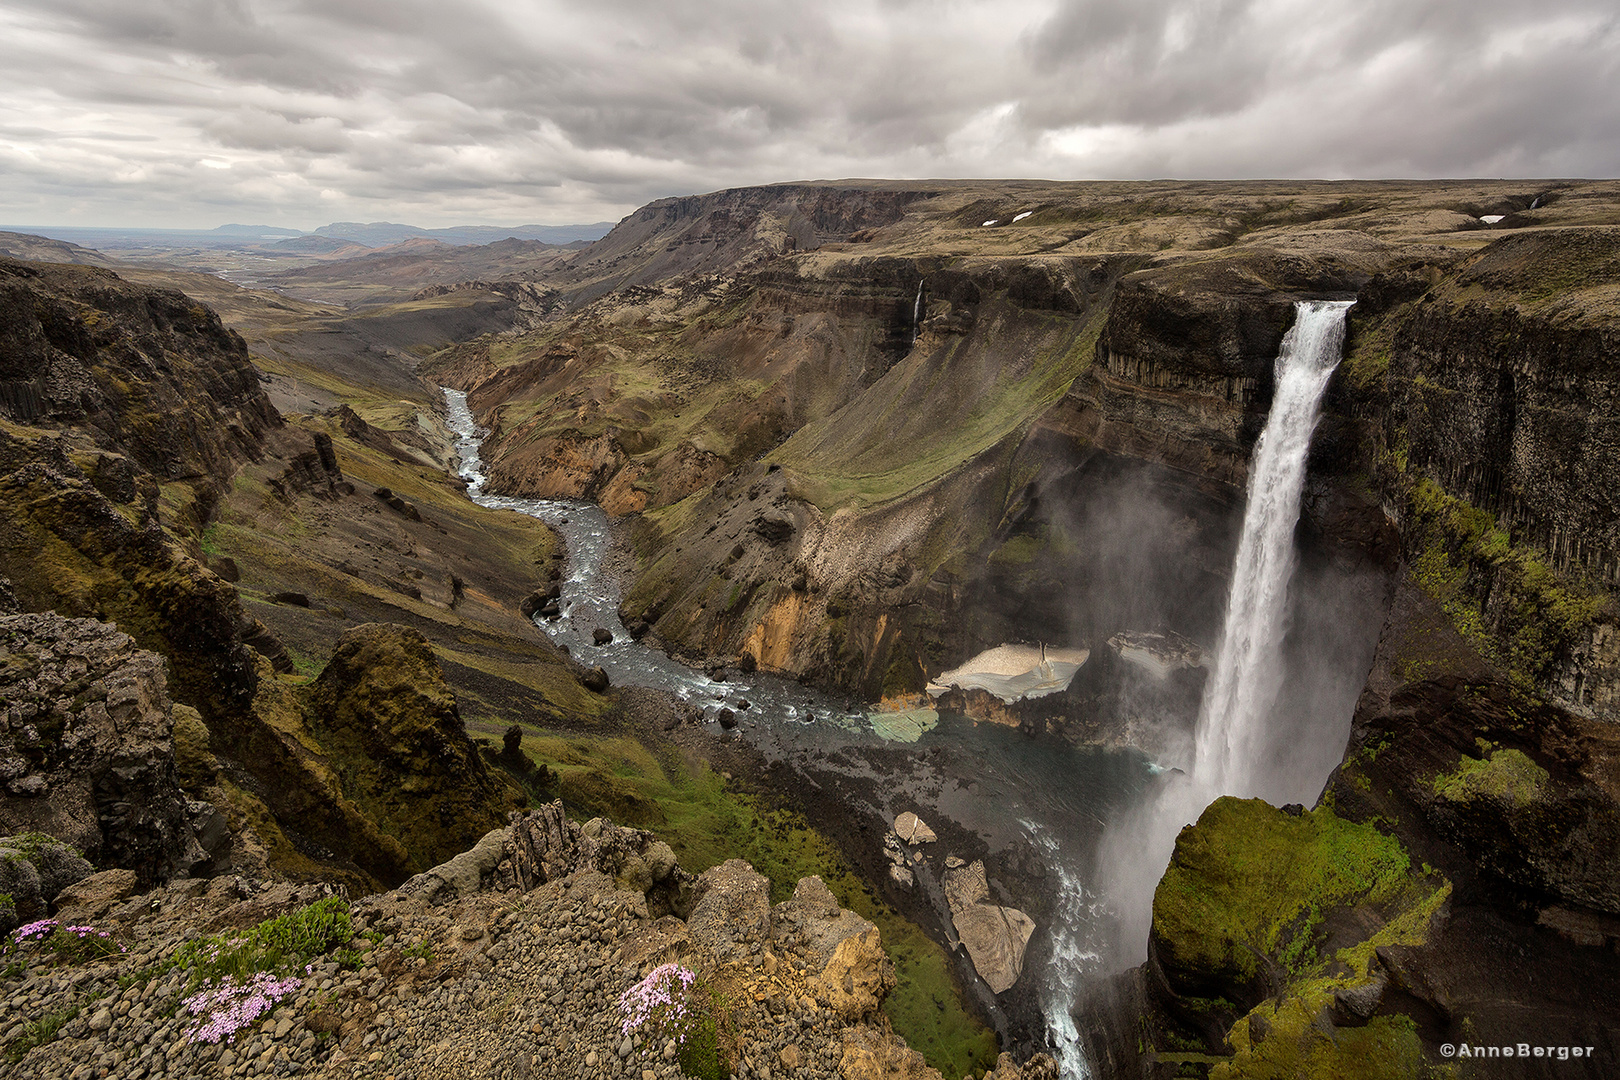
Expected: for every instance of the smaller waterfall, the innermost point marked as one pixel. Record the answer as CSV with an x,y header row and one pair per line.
x,y
916,313
1231,742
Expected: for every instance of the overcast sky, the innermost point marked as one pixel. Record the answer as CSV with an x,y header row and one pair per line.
x,y
194,113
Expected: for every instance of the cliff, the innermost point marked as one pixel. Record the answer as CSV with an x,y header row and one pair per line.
x,y
126,416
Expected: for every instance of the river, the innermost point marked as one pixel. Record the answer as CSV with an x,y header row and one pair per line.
x,y
1034,809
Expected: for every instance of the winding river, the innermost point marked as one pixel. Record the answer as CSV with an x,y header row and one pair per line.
x,y
1034,807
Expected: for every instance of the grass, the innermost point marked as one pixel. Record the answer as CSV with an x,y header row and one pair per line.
x,y
283,944
706,821
849,459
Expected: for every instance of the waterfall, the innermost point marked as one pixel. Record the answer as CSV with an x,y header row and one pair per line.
x,y
1231,742
916,312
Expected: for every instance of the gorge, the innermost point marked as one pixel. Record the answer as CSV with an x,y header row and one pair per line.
x,y
800,450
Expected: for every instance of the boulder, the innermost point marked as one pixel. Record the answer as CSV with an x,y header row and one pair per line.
x,y
995,937
602,636
463,875
595,680
92,897
731,907
873,1053
912,829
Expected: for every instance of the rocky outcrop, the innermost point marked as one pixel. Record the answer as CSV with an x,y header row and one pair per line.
x,y
34,869
157,374
87,752
503,976
388,723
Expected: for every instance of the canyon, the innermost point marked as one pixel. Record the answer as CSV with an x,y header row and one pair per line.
x,y
848,436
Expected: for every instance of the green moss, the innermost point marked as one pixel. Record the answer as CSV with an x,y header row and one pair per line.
x,y
1019,550
1246,908
1506,775
1249,887
1502,597
1386,1048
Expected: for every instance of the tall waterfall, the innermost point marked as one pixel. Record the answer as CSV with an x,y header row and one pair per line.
x,y
1231,738
1242,745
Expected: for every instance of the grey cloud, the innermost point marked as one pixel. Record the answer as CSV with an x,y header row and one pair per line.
x,y
543,109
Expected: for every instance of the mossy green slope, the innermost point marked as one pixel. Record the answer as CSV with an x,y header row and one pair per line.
x,y
1263,917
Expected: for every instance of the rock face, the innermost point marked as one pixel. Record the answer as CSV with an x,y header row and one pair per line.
x,y
87,751
154,371
994,936
388,723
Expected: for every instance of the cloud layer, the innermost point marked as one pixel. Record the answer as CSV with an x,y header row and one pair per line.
x,y
195,112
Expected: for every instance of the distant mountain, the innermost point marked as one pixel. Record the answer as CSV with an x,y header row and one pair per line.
x,y
256,232
43,249
384,233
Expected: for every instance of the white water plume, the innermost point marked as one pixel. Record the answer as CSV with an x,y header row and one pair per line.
x,y
1240,747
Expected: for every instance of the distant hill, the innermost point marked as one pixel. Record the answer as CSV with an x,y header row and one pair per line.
x,y
384,233
396,272
256,232
43,249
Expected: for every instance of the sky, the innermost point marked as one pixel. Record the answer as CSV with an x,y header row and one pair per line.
x,y
195,113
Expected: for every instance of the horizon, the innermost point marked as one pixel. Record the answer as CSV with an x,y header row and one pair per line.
x,y
133,227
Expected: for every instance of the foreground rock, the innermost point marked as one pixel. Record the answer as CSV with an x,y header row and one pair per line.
x,y
508,963
86,749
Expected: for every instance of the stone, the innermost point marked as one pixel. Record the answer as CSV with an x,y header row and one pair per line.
x,y
731,905
870,1053
594,679
93,896
602,636
858,976
727,718
913,830
995,938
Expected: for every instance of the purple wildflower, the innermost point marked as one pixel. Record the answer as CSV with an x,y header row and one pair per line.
x,y
35,931
659,999
231,1005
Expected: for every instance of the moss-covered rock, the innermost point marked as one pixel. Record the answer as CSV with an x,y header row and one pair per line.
x,y
1262,910
195,765
388,724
